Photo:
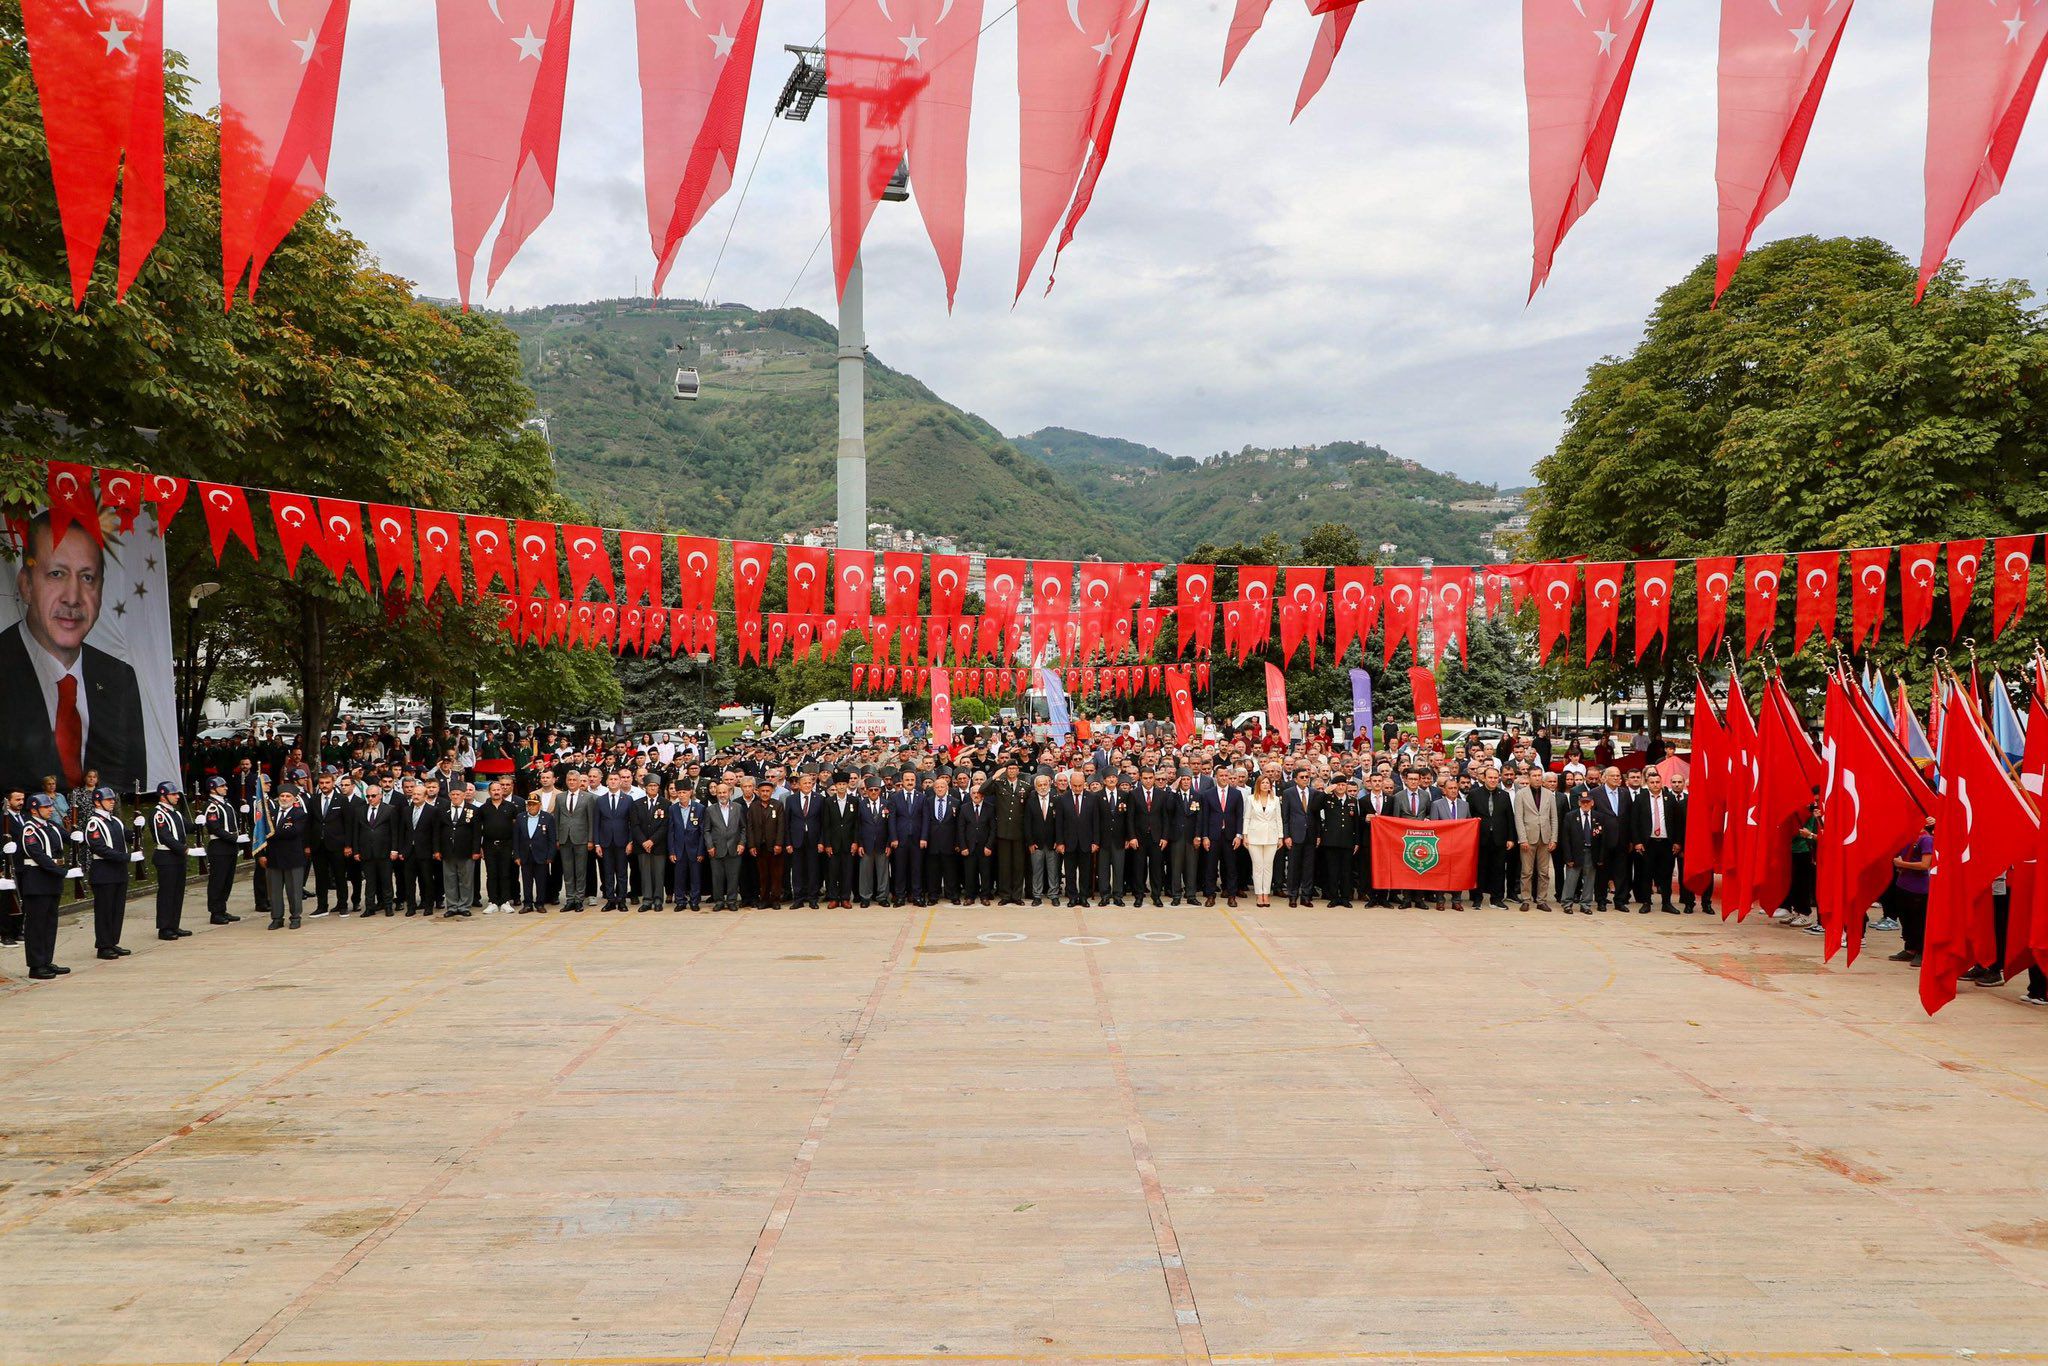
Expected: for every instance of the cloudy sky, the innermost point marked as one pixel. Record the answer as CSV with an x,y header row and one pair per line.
x,y
1357,275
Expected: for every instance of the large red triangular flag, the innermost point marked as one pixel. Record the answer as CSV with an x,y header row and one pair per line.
x,y
1577,57
1982,827
504,67
1738,798
1707,812
99,73
1322,57
1245,20
227,515
696,60
1784,788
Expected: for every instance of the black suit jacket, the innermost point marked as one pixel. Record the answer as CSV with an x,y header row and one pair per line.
x,y
114,742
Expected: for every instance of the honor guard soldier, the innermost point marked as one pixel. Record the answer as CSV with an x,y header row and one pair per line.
x,y
106,849
167,826
13,819
42,873
224,840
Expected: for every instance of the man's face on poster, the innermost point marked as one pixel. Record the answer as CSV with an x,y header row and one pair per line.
x,y
59,586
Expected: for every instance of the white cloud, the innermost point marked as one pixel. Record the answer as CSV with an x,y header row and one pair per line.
x,y
1359,274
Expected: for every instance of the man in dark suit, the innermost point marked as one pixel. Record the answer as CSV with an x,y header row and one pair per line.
x,y
1219,829
170,837
648,825
224,840
533,840
374,845
1113,840
1074,835
612,836
1494,807
65,706
685,844
941,842
458,852
725,846
1041,840
840,830
420,880
1300,805
871,841
496,822
1146,863
1657,830
1581,832
1616,807
804,826
906,842
330,821
978,846
1181,817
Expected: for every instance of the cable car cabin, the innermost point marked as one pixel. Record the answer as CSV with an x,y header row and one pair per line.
x,y
686,385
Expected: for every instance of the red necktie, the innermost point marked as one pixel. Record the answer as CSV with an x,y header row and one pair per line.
x,y
70,732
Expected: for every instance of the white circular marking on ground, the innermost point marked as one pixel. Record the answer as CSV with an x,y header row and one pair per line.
x,y
1084,941
1001,937
1161,936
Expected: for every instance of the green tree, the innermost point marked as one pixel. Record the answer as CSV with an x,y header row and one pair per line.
x,y
1816,407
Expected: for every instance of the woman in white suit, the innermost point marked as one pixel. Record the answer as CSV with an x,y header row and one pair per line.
x,y
1263,828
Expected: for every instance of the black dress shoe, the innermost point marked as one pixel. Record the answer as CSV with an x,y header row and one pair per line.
x,y
60,969
170,935
110,953
221,919
41,974
182,934
120,952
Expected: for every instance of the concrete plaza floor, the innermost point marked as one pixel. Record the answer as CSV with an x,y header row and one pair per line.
x,y
1017,1135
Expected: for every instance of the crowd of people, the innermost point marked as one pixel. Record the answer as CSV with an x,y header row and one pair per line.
x,y
528,823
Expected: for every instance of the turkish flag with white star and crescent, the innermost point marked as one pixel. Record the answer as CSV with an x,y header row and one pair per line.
x,y
99,73
696,61
280,68
1774,65
750,563
1983,825
341,546
1577,56
1964,559
1711,579
391,529
1760,575
1983,67
2013,557
805,566
1603,606
298,529
853,574
900,79
490,553
504,67
1818,591
1653,605
121,494
1073,59
1449,614
588,560
537,573
1867,569
1402,599
1556,586
1916,588
440,541
640,559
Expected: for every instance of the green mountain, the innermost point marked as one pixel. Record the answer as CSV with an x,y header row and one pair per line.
x,y
1174,503
754,456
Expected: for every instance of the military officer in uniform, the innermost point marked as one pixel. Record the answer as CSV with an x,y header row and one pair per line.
x,y
13,819
167,828
106,846
41,875
224,840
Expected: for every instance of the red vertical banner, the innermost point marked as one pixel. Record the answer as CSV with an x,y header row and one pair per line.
x,y
1347,610
696,60
1402,599
1867,569
167,492
1818,592
1305,586
806,569
1603,607
490,554
536,546
1245,20
902,579
900,84
949,585
280,69
440,542
504,67
1983,68
1449,613
1429,726
1964,559
298,527
1654,579
1556,586
341,546
696,573
853,578
1713,578
1196,598
99,74
2014,558
1052,588
942,709
71,500
640,558
1577,58
1002,590
589,561
1760,575
1276,704
391,531
121,494
1255,584
1916,589
750,564
1774,66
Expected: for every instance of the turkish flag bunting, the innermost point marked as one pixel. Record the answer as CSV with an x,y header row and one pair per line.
x,y
750,639
1654,579
1347,607
1964,559
906,639
2026,936
1770,88
1290,631
1760,575
696,60
1577,56
1983,825
1876,804
1322,56
588,560
640,563
902,575
1073,60
1002,589
1818,590
806,568
963,639
1707,811
860,676
513,619
1916,589
1424,855
878,638
949,585
900,85
778,635
99,74
1449,612
1305,591
632,629
696,572
341,544
2014,557
440,542
1052,586
298,527
1149,619
1983,68
391,529
750,564
280,66
167,492
1401,594
853,576
71,501
1196,589
121,494
1603,606
537,572
1255,585
1867,569
1556,586
490,554
503,70
830,633
1711,579
942,709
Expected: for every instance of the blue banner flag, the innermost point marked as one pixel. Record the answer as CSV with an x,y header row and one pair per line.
x,y
1361,706
1056,705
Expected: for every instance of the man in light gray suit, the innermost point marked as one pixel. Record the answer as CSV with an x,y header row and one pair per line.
x,y
572,832
1535,807
725,843
1449,804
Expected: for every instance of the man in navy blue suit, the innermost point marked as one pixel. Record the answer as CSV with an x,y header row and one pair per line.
x,y
906,842
1219,829
686,842
871,841
611,829
804,829
533,840
941,842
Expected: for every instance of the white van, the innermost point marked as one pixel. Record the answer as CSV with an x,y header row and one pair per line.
x,y
865,721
